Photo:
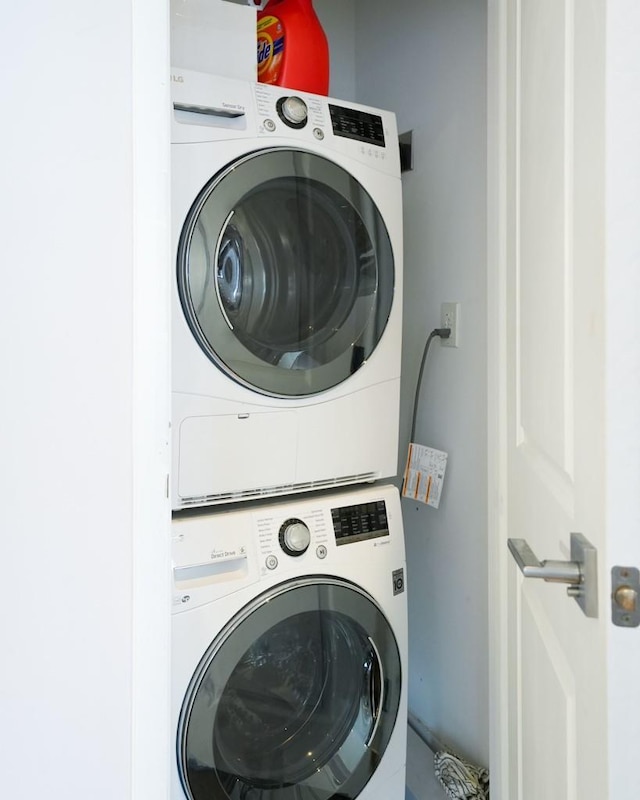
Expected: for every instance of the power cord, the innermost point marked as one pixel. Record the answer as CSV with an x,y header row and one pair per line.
x,y
442,333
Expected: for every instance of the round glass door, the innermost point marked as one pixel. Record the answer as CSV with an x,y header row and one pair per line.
x,y
285,272
295,700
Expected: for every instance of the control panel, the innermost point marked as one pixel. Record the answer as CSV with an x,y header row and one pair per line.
x,y
217,554
314,533
360,522
281,542
296,113
211,108
360,132
359,125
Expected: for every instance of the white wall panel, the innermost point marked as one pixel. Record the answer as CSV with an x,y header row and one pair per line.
x,y
73,458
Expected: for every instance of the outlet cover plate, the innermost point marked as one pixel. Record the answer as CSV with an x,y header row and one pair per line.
x,y
450,318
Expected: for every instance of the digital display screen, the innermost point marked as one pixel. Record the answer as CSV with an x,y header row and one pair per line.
x,y
358,125
361,522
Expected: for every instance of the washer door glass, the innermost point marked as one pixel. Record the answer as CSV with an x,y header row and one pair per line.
x,y
286,272
295,700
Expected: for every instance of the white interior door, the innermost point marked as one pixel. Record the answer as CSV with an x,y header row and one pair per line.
x,y
555,411
554,724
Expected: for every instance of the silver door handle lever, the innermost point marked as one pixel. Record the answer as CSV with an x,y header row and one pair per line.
x,y
580,573
531,567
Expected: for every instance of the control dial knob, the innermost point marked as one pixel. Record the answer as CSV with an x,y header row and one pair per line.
x,y
294,537
293,111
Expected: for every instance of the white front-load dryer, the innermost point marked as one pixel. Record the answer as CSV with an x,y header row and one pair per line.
x,y
286,328
289,649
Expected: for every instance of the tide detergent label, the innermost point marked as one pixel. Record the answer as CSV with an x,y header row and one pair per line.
x,y
270,48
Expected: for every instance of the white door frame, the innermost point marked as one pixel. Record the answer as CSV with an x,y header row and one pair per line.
x,y
151,736
497,397
623,375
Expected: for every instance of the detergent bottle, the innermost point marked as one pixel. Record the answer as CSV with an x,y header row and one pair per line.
x,y
292,47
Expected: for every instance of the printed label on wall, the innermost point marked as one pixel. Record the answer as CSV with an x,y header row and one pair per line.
x,y
424,474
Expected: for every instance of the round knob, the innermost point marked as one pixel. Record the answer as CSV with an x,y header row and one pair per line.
x,y
294,110
626,597
294,537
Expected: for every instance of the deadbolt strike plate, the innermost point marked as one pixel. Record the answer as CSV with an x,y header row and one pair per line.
x,y
625,592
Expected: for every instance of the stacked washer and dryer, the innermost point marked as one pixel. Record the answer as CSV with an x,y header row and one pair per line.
x,y
290,618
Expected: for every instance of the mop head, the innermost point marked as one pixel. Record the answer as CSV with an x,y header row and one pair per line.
x,y
461,780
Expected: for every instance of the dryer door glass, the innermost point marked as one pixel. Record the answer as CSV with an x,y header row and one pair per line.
x,y
295,700
286,272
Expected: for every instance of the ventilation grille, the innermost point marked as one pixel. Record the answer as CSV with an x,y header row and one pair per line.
x,y
271,491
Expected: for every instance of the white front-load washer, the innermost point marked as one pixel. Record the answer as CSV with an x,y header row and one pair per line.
x,y
289,649
286,329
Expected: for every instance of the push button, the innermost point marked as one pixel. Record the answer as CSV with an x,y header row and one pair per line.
x,y
271,562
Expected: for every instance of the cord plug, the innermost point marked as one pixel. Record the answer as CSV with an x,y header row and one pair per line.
x,y
443,333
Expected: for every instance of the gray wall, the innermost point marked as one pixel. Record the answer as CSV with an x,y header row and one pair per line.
x,y
338,18
425,60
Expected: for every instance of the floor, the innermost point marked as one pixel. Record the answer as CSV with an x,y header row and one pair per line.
x,y
421,782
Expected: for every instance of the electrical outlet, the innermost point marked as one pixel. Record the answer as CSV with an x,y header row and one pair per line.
x,y
450,318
